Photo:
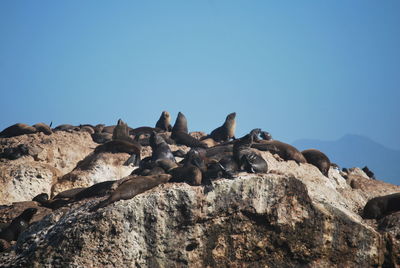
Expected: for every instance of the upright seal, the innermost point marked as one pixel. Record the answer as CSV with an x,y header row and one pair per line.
x,y
164,123
226,131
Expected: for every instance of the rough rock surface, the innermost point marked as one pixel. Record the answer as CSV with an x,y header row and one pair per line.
x,y
93,169
293,216
49,158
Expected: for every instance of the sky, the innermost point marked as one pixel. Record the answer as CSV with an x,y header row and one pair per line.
x,y
298,69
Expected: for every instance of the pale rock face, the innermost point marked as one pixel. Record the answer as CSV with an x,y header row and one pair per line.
x,y
93,169
291,217
49,158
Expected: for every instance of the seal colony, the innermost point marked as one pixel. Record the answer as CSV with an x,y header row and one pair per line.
x,y
218,155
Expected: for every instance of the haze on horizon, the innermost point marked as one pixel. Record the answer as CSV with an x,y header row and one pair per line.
x,y
315,69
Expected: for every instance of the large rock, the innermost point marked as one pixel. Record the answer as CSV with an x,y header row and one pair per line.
x,y
93,169
291,217
49,158
255,220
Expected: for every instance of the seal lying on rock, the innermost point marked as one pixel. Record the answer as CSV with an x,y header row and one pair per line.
x,y
120,146
42,127
318,159
44,201
131,186
18,225
17,130
284,150
380,206
247,159
66,127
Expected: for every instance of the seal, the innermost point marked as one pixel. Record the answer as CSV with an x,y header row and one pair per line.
x,y
99,136
180,124
121,132
98,189
17,130
41,197
245,157
109,129
318,159
226,131
43,200
118,146
42,127
380,206
18,225
161,157
160,149
87,128
189,174
229,165
369,172
132,186
265,135
69,194
180,133
284,150
66,127
183,138
164,122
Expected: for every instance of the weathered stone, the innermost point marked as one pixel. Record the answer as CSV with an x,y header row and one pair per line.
x,y
291,217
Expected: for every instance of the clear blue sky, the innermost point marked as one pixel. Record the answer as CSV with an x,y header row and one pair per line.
x,y
299,69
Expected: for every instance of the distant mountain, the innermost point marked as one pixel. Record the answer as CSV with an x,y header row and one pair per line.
x,y
359,151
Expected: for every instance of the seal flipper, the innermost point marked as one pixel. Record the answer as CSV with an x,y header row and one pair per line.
x,y
133,159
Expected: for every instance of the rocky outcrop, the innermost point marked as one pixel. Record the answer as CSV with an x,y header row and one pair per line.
x,y
49,157
293,216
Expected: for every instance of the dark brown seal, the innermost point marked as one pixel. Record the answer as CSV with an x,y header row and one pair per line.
x,y
226,131
42,127
87,128
66,127
18,225
318,159
109,129
189,174
284,150
17,130
164,122
131,186
160,149
118,146
183,138
180,133
99,136
70,193
369,172
245,157
96,190
44,201
121,132
378,207
180,124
